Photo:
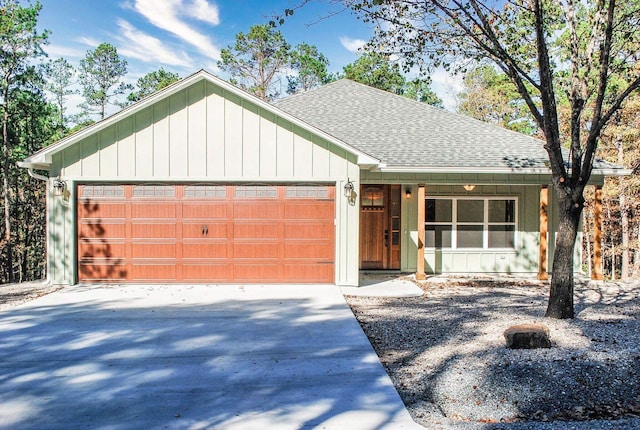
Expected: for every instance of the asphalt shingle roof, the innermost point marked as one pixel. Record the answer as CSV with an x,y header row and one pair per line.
x,y
409,134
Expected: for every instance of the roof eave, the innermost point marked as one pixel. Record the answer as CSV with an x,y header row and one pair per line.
x,y
493,170
34,165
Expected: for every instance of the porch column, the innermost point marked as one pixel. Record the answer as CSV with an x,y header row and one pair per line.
x,y
596,273
543,275
420,275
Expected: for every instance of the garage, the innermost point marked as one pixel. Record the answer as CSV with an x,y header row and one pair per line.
x,y
206,233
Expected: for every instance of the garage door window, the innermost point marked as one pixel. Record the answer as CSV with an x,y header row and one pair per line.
x,y
205,191
256,192
307,192
103,191
154,191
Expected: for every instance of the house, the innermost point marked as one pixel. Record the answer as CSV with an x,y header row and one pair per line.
x,y
202,182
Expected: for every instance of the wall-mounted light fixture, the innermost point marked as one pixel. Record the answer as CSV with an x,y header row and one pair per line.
x,y
469,187
59,187
348,189
407,193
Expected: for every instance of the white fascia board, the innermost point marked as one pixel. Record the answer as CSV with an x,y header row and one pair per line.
x,y
44,156
493,170
33,165
490,170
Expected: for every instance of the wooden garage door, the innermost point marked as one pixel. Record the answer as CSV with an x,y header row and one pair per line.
x,y
206,233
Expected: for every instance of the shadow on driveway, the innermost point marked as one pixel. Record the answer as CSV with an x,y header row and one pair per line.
x,y
221,357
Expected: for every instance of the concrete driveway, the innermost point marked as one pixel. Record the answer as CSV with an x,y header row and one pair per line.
x,y
192,357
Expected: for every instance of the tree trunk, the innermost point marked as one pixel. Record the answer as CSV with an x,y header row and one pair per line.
x,y
5,189
561,295
636,256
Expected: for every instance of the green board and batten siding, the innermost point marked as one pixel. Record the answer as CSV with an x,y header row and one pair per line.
x,y
525,188
202,134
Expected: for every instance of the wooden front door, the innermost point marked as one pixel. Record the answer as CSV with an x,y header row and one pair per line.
x,y
380,227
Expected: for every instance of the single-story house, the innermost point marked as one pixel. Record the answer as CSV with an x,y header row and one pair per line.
x,y
202,182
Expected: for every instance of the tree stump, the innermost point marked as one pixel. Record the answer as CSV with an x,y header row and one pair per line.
x,y
527,336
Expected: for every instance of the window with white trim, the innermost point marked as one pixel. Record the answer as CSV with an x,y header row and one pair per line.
x,y
470,222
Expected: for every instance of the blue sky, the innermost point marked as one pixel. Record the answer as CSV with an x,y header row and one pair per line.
x,y
185,36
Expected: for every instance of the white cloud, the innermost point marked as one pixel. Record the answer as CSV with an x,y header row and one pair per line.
x,y
137,44
447,86
166,14
57,51
88,41
203,11
352,45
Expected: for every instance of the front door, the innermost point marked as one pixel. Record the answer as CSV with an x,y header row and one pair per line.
x,y
380,227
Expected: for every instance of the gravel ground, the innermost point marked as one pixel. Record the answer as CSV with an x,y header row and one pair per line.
x,y
14,294
445,352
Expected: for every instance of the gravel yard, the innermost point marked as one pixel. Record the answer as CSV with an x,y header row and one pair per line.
x,y
446,355
14,294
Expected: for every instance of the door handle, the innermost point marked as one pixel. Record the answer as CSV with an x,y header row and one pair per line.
x,y
386,238
205,230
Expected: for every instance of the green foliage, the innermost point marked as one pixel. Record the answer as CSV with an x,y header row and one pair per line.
x,y
20,46
311,66
490,96
420,90
152,82
380,72
257,60
376,70
59,74
100,71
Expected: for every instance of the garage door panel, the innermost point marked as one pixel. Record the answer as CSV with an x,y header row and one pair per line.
x,y
266,251
153,209
305,211
153,230
255,211
308,272
206,233
209,272
97,249
205,210
153,250
100,229
250,271
207,249
306,249
153,271
205,230
102,271
105,210
308,231
255,230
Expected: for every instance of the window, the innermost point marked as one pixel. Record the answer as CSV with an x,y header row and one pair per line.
x,y
372,197
102,191
462,223
205,191
307,192
256,192
153,191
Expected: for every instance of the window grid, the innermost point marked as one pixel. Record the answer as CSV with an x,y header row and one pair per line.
x,y
205,191
307,192
103,191
256,191
485,224
151,191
